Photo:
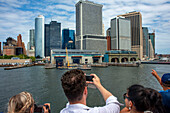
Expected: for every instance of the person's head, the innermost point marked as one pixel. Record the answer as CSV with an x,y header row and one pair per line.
x,y
73,83
155,99
136,98
165,80
21,103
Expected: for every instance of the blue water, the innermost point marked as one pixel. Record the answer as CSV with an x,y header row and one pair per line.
x,y
45,85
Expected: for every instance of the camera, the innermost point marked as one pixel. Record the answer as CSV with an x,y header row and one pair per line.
x,y
89,78
39,108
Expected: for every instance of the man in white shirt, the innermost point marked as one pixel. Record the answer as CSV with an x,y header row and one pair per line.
x,y
75,88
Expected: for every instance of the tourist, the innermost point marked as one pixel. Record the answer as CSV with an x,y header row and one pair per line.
x,y
75,88
24,103
142,100
155,101
165,83
134,101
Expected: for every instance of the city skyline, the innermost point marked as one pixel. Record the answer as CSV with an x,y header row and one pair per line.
x,y
18,16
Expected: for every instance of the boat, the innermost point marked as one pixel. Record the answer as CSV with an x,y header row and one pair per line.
x,y
49,66
99,65
84,67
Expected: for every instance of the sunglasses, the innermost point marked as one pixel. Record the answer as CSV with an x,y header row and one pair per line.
x,y
124,96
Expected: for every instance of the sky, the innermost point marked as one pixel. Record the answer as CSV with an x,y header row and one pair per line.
x,y
18,16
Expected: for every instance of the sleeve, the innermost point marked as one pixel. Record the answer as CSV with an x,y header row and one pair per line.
x,y
112,106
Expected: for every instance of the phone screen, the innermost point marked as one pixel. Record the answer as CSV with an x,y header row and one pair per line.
x,y
89,78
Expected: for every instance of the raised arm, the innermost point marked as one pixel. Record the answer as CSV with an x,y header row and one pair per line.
x,y
105,93
154,73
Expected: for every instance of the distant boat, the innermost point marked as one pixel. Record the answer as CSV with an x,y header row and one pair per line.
x,y
50,66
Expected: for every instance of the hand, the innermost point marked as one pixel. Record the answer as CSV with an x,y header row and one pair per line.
x,y
154,73
96,80
48,110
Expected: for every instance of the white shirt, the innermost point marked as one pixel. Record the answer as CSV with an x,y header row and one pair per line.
x,y
112,106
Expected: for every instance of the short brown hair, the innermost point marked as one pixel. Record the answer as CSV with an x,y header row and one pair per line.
x,y
73,83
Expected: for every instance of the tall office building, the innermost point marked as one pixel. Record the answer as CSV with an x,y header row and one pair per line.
x,y
0,49
68,39
120,33
88,20
136,32
108,37
52,37
145,42
32,38
152,37
151,49
39,36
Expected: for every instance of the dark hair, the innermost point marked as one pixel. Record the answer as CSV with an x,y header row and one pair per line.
x,y
138,96
155,100
73,83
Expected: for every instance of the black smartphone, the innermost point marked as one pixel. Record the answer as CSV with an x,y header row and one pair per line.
x,y
89,78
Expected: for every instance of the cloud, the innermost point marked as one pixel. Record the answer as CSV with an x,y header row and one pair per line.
x,y
18,16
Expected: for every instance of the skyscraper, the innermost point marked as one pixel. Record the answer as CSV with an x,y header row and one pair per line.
x,y
39,36
0,48
88,20
32,38
136,32
152,37
151,49
108,39
68,39
52,37
120,34
145,41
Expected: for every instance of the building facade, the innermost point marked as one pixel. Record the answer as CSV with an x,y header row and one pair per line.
x,y
145,42
152,37
136,32
120,56
13,47
68,39
151,49
88,20
0,49
39,36
108,37
75,56
120,34
32,38
52,37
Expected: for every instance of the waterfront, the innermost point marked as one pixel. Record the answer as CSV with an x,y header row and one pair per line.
x,y
45,85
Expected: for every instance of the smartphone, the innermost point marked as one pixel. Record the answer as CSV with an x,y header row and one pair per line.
x,y
89,78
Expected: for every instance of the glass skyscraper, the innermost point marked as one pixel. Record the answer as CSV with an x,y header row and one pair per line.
x,y
39,36
145,41
152,37
88,20
68,39
32,38
52,37
136,32
120,33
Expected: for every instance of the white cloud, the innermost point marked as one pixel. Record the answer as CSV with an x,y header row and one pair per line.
x,y
18,16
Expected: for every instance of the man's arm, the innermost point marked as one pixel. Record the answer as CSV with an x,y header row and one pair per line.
x,y
112,105
96,81
154,73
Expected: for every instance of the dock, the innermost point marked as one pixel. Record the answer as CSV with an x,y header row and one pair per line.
x,y
19,66
99,65
124,64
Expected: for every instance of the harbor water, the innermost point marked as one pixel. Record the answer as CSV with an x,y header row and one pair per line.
x,y
45,84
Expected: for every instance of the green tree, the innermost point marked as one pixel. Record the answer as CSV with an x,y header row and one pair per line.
x,y
33,58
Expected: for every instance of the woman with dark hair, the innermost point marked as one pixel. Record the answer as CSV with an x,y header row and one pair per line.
x,y
142,100
155,99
